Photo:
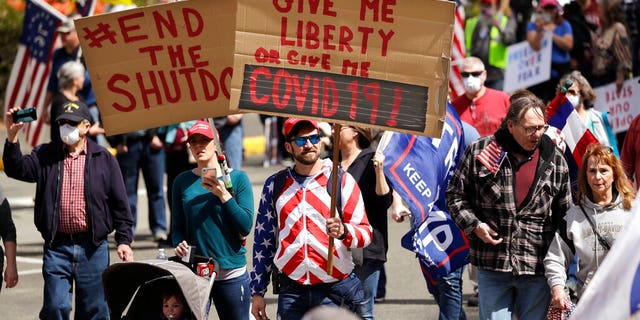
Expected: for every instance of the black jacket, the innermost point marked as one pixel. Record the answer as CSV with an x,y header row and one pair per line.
x,y
105,196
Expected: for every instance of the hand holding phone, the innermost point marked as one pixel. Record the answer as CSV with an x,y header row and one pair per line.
x,y
209,172
24,115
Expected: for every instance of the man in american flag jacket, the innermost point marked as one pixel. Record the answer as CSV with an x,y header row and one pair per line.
x,y
292,233
510,194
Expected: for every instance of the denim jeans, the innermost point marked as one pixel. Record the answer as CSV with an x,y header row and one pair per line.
x,y
295,299
81,262
502,293
232,297
448,295
151,161
369,274
231,138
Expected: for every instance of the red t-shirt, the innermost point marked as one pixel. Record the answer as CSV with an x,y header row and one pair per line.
x,y
485,113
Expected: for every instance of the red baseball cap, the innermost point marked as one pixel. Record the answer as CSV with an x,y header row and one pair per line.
x,y
290,123
200,127
544,3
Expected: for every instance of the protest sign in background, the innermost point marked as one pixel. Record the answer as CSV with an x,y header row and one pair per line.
x,y
377,63
623,105
160,64
526,67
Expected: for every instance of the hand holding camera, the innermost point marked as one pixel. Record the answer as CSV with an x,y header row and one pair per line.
x,y
15,119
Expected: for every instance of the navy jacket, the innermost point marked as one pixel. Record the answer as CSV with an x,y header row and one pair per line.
x,y
105,196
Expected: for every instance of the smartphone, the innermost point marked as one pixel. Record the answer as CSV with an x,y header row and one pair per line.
x,y
209,172
25,115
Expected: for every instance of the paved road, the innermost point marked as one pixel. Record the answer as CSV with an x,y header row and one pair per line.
x,y
407,297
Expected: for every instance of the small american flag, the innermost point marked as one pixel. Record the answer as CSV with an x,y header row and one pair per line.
x,y
458,52
492,156
32,66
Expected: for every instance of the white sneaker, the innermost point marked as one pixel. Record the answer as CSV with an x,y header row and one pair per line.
x,y
159,236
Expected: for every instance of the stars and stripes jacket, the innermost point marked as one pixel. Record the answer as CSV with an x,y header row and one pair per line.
x,y
292,235
483,190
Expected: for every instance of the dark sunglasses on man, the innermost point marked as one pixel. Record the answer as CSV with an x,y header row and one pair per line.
x,y
475,74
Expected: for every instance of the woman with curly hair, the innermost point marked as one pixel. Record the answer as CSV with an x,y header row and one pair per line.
x,y
604,205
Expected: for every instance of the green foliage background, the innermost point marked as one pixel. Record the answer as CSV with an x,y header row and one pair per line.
x,y
10,32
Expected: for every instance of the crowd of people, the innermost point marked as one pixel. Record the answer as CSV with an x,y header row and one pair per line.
x,y
511,194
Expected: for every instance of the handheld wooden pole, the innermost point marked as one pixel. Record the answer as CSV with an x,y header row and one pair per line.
x,y
334,189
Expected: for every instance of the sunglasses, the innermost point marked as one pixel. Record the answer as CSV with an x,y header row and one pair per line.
x,y
549,7
302,141
475,74
69,122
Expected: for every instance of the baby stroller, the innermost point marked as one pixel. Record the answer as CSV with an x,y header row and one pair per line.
x,y
133,289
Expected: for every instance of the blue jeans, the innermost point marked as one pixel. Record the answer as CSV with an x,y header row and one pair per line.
x,y
369,274
448,295
231,138
295,299
81,262
502,293
151,161
232,297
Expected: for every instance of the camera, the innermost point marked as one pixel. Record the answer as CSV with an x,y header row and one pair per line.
x,y
24,115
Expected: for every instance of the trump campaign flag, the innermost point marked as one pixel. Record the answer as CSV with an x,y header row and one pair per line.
x,y
30,73
568,131
439,244
614,291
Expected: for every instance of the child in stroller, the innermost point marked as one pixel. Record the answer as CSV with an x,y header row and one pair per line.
x,y
174,305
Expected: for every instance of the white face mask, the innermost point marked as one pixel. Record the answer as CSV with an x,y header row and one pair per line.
x,y
69,134
574,100
472,84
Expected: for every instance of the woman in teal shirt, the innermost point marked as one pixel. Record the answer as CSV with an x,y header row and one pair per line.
x,y
207,216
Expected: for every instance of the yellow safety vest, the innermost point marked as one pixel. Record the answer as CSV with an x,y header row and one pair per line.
x,y
497,51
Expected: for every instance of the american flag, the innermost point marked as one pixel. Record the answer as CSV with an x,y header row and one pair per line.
x,y
30,73
458,52
492,156
85,7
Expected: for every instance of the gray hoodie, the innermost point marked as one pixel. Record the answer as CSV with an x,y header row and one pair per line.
x,y
609,220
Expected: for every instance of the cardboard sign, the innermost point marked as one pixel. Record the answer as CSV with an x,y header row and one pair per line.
x,y
160,64
623,105
526,67
374,63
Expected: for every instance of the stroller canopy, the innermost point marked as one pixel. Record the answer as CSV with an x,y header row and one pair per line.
x,y
122,280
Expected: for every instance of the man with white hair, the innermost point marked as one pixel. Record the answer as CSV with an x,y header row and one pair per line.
x,y
480,106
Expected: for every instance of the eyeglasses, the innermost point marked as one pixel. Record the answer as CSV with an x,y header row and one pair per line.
x,y
536,129
549,7
473,73
302,141
196,141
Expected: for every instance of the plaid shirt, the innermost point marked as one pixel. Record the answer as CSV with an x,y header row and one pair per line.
x,y
477,193
73,217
